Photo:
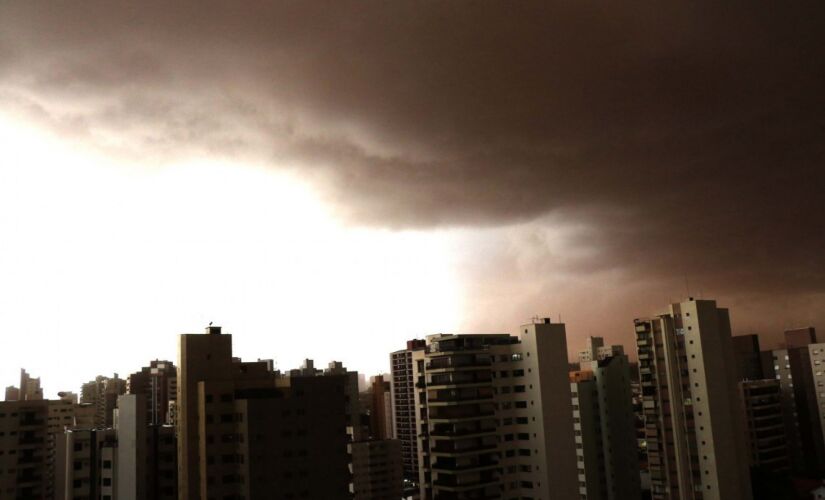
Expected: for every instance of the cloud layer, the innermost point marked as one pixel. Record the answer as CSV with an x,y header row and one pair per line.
x,y
675,140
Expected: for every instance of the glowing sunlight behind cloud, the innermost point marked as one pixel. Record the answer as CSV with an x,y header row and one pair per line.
x,y
96,252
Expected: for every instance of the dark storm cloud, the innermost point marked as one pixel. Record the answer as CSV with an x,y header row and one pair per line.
x,y
684,138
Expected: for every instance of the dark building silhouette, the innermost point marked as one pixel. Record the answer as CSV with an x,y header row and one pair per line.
x,y
158,382
247,432
748,357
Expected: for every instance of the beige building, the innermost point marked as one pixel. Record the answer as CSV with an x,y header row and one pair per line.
x,y
380,407
694,421
61,416
132,461
244,431
102,393
84,416
377,470
12,393
28,390
605,432
493,424
86,464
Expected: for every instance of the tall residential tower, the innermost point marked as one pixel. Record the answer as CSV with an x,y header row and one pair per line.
x,y
693,415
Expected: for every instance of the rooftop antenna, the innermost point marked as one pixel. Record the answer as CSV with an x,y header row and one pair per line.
x,y
687,286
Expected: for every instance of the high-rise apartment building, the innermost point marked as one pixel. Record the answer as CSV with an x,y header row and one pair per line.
x,y
102,393
779,368
158,382
800,337
407,366
800,371
748,357
29,389
146,460
244,431
377,470
86,464
134,460
360,430
61,416
694,421
24,443
381,409
767,440
605,430
494,417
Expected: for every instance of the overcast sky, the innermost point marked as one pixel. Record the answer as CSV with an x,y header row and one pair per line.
x,y
329,179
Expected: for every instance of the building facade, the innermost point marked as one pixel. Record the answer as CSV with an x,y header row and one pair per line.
x,y
86,464
407,366
605,430
377,469
693,419
102,394
767,440
158,382
24,443
800,371
491,421
244,431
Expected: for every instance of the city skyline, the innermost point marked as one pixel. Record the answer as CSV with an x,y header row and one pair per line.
x,y
359,174
574,356
463,415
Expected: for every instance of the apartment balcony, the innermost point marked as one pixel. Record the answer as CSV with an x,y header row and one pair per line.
x,y
458,363
477,399
442,448
448,466
461,418
456,350
442,483
452,384
452,434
